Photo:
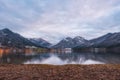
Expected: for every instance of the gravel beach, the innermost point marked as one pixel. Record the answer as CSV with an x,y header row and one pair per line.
x,y
64,72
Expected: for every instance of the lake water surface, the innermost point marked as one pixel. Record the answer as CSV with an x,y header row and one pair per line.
x,y
60,58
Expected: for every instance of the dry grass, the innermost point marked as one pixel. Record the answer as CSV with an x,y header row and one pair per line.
x,y
66,72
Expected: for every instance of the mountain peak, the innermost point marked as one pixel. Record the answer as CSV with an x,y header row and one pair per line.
x,y
68,38
41,42
6,30
78,37
11,39
71,42
109,33
107,40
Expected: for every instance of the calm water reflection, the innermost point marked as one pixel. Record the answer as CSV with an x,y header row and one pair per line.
x,y
60,59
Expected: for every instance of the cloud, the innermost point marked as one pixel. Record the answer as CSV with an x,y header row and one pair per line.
x,y
56,19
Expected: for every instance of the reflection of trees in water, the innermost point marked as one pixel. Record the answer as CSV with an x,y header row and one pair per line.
x,y
14,58
19,58
110,58
76,57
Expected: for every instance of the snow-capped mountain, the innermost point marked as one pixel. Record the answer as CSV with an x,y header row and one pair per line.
x,y
11,39
41,42
108,40
71,42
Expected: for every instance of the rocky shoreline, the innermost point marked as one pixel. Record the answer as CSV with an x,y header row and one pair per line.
x,y
65,72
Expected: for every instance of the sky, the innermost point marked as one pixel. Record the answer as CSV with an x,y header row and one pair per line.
x,y
54,20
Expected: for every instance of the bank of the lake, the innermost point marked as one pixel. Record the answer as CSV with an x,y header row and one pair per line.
x,y
65,72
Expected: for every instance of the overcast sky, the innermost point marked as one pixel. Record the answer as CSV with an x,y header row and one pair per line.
x,y
53,20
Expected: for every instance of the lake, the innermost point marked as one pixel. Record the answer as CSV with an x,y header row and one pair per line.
x,y
60,58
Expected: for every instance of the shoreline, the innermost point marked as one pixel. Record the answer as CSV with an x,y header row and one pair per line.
x,y
63,72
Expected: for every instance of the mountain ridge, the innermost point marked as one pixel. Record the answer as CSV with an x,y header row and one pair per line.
x,y
107,40
11,39
41,42
69,42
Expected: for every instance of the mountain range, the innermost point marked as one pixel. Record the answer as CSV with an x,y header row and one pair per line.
x,y
108,40
11,39
71,42
40,41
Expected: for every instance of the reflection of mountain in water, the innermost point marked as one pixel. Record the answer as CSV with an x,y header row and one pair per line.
x,y
72,58
108,58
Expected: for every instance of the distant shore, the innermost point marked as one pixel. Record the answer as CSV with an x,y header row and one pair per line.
x,y
65,72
